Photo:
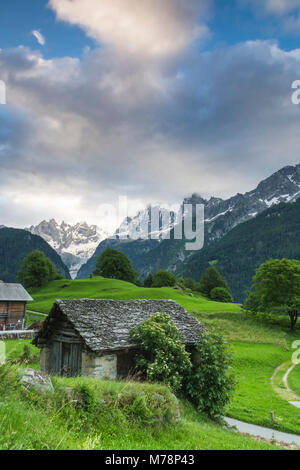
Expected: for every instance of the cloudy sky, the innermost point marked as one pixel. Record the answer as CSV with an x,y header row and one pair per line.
x,y
149,99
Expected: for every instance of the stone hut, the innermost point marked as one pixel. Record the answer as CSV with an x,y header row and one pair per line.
x,y
91,337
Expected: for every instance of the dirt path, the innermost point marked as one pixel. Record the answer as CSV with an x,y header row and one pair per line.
x,y
37,313
279,382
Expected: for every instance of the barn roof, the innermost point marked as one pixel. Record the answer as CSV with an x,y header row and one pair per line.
x,y
13,293
105,324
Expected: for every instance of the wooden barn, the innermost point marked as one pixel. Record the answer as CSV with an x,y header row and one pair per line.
x,y
91,337
13,301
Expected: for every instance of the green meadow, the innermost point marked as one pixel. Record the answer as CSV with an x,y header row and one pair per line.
x,y
259,346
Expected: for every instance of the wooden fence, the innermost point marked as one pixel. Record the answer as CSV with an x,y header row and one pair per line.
x,y
17,334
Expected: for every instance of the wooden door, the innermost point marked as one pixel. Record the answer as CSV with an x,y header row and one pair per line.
x,y
56,358
66,359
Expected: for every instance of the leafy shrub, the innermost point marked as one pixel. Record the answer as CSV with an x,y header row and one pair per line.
x,y
210,382
148,281
252,302
37,270
163,278
210,279
189,283
164,356
86,397
114,264
220,294
207,381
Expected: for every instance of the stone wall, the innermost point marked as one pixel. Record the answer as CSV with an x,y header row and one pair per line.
x,y
99,366
92,366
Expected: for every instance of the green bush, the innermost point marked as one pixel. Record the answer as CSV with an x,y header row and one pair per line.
x,y
163,278
210,382
220,294
210,279
189,283
206,380
37,270
164,357
148,281
114,264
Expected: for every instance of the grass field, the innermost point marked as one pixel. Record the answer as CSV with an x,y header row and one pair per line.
x,y
39,422
259,346
100,288
254,397
294,380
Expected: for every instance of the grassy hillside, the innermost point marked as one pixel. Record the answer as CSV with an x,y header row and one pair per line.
x,y
108,415
259,346
294,380
100,288
271,234
15,245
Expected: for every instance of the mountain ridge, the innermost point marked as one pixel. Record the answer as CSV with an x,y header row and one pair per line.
x,y
16,244
221,216
74,243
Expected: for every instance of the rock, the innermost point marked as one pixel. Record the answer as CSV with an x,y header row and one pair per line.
x,y
176,403
160,399
191,295
36,379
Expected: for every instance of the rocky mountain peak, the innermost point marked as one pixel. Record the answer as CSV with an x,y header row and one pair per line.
x,y
75,243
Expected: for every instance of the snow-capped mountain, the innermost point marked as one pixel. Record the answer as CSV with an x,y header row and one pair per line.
x,y
222,215
152,222
74,243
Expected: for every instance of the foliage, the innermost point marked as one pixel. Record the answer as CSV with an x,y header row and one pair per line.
x,y
220,294
37,270
252,302
210,382
16,244
163,278
272,234
210,279
207,381
189,283
148,282
277,289
50,422
113,264
164,356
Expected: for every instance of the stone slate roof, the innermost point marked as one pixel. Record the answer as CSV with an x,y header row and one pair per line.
x,y
13,293
104,324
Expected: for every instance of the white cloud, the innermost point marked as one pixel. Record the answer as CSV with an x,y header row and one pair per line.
x,y
39,37
280,6
148,28
108,126
285,12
